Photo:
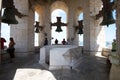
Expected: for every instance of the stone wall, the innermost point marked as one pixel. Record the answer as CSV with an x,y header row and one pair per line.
x,y
93,33
23,32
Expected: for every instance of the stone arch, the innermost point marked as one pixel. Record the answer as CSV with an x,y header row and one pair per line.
x,y
39,10
59,5
78,11
62,6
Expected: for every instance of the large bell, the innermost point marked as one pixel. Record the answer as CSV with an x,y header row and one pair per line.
x,y
9,16
107,19
58,29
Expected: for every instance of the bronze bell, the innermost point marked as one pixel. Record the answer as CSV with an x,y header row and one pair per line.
x,y
58,29
9,16
37,27
37,30
80,27
107,19
80,31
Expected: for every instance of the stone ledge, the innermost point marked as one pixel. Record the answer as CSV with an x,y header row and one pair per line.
x,y
115,72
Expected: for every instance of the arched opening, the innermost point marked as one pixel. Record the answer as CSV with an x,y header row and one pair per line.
x,y
81,35
79,26
58,35
36,35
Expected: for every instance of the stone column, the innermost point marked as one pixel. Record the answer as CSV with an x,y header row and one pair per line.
x,y
86,27
23,32
93,32
46,19
70,26
0,26
115,69
42,33
118,25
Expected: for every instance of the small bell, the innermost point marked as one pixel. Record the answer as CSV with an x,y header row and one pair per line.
x,y
37,30
80,31
80,27
58,29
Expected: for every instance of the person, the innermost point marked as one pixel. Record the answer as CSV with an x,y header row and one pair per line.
x,y
11,49
56,41
63,42
113,45
2,41
46,41
68,41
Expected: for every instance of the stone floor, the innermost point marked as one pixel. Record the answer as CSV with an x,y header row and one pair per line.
x,y
89,68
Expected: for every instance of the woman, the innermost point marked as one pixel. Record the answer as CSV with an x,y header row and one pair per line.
x,y
11,48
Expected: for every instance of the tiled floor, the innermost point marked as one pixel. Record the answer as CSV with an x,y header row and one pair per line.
x,y
89,68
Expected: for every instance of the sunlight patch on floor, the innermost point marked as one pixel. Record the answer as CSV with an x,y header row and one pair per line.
x,y
99,54
33,74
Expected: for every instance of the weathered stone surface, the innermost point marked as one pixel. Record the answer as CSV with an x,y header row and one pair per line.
x,y
33,74
114,72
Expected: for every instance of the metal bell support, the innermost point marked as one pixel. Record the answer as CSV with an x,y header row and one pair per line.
x,y
58,24
37,27
37,30
9,16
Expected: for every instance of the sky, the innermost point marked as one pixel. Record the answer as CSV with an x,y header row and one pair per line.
x,y
110,31
62,14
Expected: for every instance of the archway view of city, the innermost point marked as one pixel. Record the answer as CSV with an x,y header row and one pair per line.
x,y
110,32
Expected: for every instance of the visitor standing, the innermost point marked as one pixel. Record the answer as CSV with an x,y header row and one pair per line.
x,y
2,41
56,41
63,42
114,45
11,48
46,41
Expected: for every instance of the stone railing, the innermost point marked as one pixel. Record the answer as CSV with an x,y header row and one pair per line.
x,y
45,51
114,58
60,56
115,68
106,52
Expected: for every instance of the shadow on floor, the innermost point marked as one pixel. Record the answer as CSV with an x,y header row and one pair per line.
x,y
89,68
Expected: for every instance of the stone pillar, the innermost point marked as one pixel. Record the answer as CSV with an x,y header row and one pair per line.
x,y
70,26
114,73
46,19
42,33
115,69
0,26
23,32
86,27
93,33
118,25
41,38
